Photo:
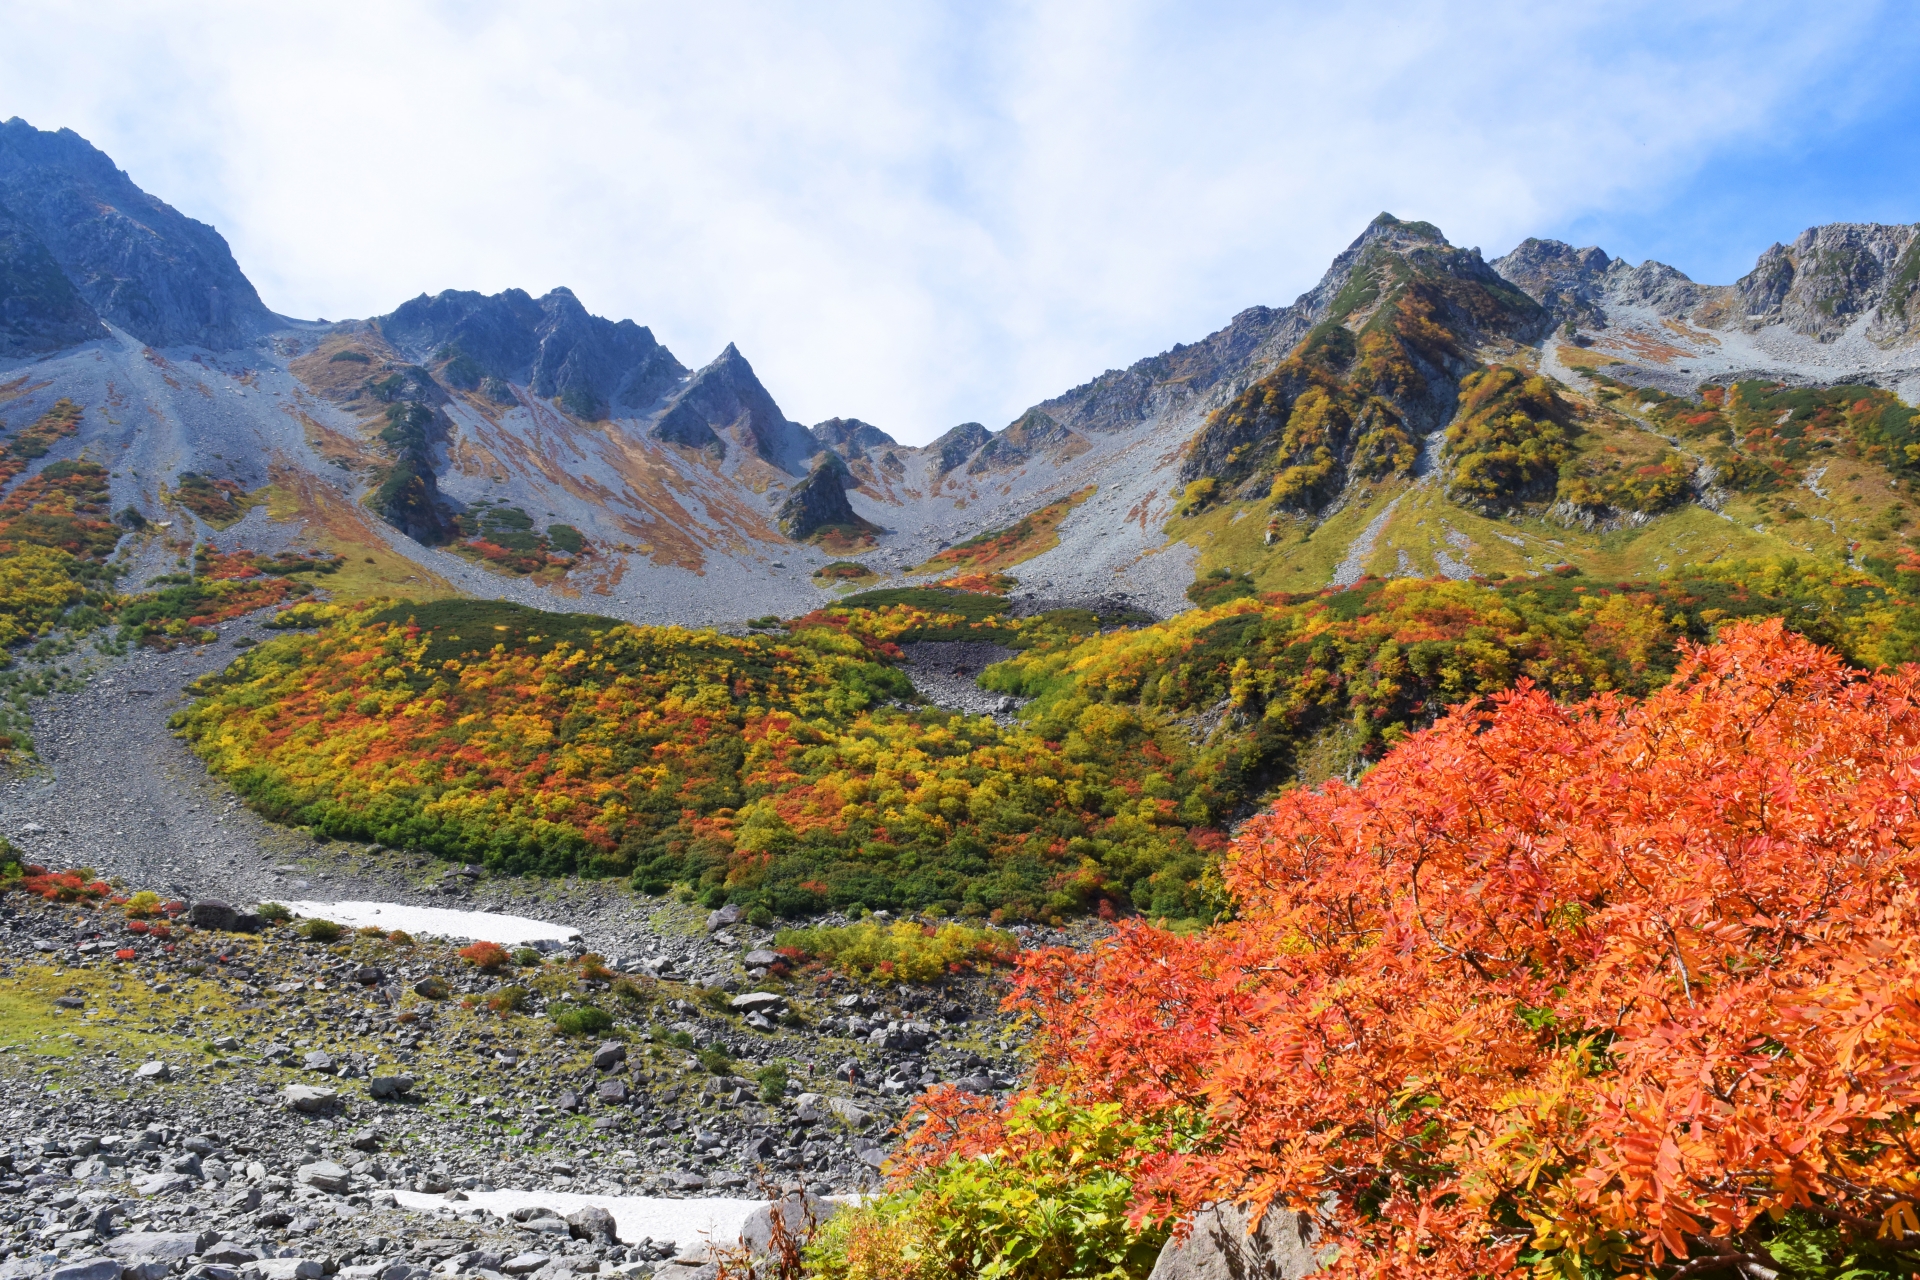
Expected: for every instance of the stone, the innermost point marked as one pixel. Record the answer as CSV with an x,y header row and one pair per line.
x,y
431,988
366,1140
226,1044
70,1002
156,1071
756,1002
317,1060
211,913
730,914
761,958
164,1246
307,1098
611,1093
683,1181
756,1233
593,1223
325,1175
90,1269
1221,1248
291,1268
163,1184
389,1088
609,1053
524,1264
368,975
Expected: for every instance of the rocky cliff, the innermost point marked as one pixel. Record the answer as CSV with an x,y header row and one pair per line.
x,y
138,262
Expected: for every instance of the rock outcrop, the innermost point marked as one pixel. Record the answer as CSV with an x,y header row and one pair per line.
x,y
819,503
40,310
138,262
594,368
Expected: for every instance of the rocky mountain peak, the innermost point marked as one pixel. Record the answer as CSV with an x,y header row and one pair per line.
x,y
136,261
725,399
849,436
1833,275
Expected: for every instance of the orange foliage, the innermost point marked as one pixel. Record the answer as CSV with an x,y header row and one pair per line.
x,y
1597,988
486,956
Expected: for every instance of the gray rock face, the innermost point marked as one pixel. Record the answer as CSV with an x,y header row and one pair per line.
x,y
725,399
721,917
1221,1248
957,445
1034,432
849,437
91,1269
40,310
1831,276
551,345
1568,282
756,1233
820,502
136,261
609,1053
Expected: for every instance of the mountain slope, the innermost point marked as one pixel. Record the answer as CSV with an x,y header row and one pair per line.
x,y
520,447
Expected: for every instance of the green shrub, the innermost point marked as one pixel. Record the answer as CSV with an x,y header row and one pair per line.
x,y
317,930
773,1082
581,1020
905,951
1052,1201
526,957
350,357
713,1058
511,999
678,1039
759,917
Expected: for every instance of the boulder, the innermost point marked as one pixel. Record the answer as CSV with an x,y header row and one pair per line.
x,y
89,1269
325,1175
611,1093
317,1060
431,988
524,1264
732,913
164,1246
307,1099
159,1072
756,1233
390,1088
593,1223
756,1002
290,1268
761,958
163,1184
1221,1247
814,1108
609,1053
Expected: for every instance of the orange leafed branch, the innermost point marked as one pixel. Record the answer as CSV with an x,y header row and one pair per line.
x,y
1622,981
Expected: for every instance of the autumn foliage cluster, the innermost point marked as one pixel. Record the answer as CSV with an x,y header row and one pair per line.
x,y
1617,987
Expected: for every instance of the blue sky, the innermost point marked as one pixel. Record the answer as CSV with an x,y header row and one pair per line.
x,y
920,214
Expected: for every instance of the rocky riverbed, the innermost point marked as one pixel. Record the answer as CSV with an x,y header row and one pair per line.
x,y
226,1103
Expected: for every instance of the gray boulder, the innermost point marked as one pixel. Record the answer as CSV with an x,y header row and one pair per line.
x,y
609,1053
756,1002
325,1175
732,913
89,1269
211,913
1221,1247
756,1233
156,1071
593,1223
390,1088
165,1246
307,1099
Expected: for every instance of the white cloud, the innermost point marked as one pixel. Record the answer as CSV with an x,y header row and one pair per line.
x,y
911,214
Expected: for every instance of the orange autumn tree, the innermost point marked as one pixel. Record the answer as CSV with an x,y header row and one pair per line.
x,y
1623,987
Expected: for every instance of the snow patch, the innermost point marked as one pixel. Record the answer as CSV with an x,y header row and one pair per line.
x,y
440,922
689,1224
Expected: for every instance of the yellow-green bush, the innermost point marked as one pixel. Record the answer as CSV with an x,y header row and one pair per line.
x,y
905,951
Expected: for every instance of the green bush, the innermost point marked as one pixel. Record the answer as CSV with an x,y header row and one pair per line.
x,y
321,930
1052,1202
759,917
678,1039
526,957
581,1020
713,1058
773,1082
